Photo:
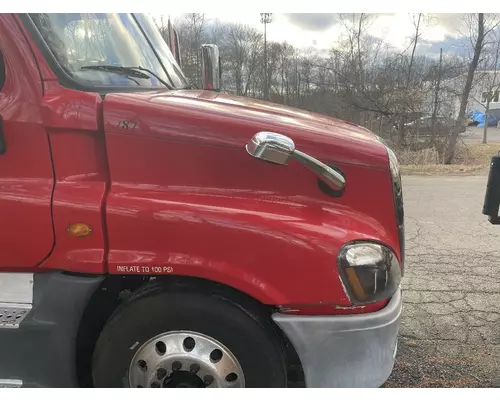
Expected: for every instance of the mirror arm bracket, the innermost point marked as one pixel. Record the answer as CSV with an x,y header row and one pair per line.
x,y
278,149
328,174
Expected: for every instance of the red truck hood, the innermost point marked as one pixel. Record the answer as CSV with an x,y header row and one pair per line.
x,y
219,119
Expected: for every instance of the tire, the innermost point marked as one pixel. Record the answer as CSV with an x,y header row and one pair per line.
x,y
251,339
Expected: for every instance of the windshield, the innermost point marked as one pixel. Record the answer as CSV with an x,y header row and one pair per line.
x,y
82,42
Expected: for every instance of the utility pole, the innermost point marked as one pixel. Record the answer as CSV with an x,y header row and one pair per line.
x,y
436,96
265,18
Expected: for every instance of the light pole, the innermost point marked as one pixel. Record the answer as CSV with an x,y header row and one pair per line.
x,y
265,18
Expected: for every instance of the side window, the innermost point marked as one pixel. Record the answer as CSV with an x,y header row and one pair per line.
x,y
2,71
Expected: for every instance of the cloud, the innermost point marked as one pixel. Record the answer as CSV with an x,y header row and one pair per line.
x,y
454,24
312,21
456,45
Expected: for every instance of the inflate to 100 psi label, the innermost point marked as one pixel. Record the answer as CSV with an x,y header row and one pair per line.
x,y
144,269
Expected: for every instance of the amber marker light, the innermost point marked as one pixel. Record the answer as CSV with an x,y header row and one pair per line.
x,y
79,230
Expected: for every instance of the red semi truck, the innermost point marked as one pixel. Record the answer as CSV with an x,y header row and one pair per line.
x,y
156,235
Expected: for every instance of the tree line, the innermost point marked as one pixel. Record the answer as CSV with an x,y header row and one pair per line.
x,y
361,79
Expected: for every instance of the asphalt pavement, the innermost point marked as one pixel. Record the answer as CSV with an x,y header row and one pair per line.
x,y
450,329
475,135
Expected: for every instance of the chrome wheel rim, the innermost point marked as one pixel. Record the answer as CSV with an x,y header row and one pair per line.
x,y
185,359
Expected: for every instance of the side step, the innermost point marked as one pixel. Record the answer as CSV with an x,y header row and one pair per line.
x,y
16,299
50,306
11,314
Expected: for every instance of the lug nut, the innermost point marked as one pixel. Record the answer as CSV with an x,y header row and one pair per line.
x,y
161,374
176,366
143,365
208,380
194,368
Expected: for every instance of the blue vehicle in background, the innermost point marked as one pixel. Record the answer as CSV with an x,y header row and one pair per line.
x,y
478,118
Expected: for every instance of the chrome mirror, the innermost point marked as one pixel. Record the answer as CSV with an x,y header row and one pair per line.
x,y
173,42
278,149
271,147
210,60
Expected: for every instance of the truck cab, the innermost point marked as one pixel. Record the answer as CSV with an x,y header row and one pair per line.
x,y
159,236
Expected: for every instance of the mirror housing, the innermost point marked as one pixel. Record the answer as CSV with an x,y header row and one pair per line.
x,y
211,70
278,149
271,147
173,42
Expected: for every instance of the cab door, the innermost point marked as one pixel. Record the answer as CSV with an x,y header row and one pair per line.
x,y
26,173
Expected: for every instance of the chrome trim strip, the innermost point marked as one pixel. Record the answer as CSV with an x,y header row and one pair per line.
x,y
16,287
10,383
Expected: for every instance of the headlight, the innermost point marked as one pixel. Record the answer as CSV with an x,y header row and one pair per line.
x,y
370,271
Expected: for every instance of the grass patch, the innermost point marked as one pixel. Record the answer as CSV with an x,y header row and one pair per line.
x,y
482,153
441,169
470,159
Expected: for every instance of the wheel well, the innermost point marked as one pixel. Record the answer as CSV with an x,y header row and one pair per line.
x,y
115,290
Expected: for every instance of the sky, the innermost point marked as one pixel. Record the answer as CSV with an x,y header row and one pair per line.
x,y
321,30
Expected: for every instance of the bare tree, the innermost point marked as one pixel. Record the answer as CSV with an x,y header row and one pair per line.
x,y
191,28
417,23
478,31
242,48
361,79
491,81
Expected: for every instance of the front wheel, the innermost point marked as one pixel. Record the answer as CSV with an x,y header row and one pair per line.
x,y
175,340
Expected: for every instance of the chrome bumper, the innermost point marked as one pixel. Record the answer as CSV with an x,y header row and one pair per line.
x,y
345,350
